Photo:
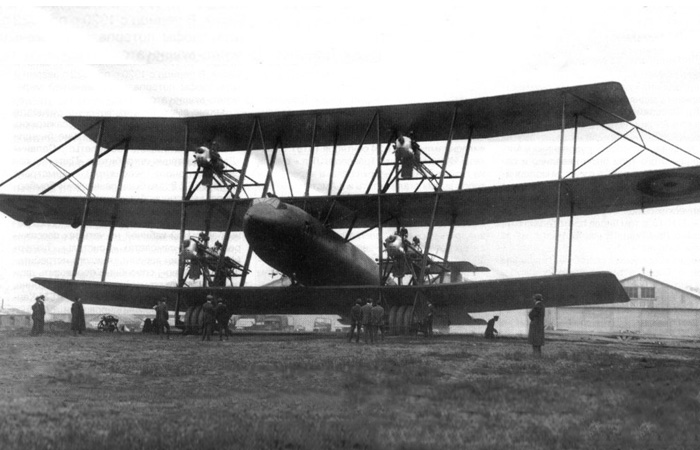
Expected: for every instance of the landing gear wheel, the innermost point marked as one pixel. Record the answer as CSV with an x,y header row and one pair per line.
x,y
408,321
392,321
399,326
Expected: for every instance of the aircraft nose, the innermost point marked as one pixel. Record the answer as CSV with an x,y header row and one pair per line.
x,y
263,219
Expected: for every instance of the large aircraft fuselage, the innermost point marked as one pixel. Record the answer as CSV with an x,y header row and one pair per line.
x,y
297,244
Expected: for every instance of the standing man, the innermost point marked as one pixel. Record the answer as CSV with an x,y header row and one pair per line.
x,y
356,320
38,312
429,319
491,328
77,319
162,316
367,320
222,318
377,320
535,335
209,317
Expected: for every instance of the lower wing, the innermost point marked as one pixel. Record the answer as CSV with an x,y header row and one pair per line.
x,y
456,299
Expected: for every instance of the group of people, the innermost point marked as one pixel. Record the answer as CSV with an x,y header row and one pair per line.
x,y
535,335
215,313
368,316
77,312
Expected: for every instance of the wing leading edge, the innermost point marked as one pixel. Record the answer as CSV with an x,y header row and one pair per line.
x,y
494,204
458,299
502,115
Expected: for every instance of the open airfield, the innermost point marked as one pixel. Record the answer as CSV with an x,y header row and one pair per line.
x,y
106,391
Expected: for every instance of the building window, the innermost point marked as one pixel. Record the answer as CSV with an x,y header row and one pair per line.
x,y
648,292
631,292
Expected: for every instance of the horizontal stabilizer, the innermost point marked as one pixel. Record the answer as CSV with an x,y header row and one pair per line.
x,y
455,266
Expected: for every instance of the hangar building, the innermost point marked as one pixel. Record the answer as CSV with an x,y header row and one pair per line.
x,y
655,308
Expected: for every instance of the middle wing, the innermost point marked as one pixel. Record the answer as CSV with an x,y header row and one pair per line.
x,y
495,204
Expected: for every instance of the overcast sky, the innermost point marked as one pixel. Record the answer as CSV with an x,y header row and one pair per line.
x,y
270,56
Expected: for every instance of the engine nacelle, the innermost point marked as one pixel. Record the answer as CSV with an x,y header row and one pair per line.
x,y
189,249
202,157
403,147
394,246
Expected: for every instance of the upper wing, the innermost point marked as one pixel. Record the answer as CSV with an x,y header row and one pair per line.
x,y
494,204
502,115
457,299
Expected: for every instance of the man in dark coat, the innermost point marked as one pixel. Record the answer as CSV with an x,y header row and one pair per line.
x,y
209,317
38,313
377,319
77,317
222,318
367,320
162,317
356,320
491,328
535,335
429,319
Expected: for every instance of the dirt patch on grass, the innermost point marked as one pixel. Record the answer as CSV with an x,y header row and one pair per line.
x,y
135,391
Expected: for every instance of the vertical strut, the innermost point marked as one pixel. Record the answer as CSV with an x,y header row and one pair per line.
x,y
561,160
183,221
357,153
83,222
561,157
114,218
466,156
335,147
311,159
286,169
183,208
424,260
573,175
379,166
449,243
264,147
244,275
379,201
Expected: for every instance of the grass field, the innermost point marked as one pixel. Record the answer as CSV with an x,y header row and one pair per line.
x,y
102,391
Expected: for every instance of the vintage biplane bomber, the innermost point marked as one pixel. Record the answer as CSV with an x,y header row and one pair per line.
x,y
406,188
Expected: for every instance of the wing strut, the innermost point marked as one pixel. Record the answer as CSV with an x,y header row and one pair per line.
x,y
311,159
420,304
357,153
83,222
114,217
183,221
234,203
379,200
50,153
573,175
561,161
